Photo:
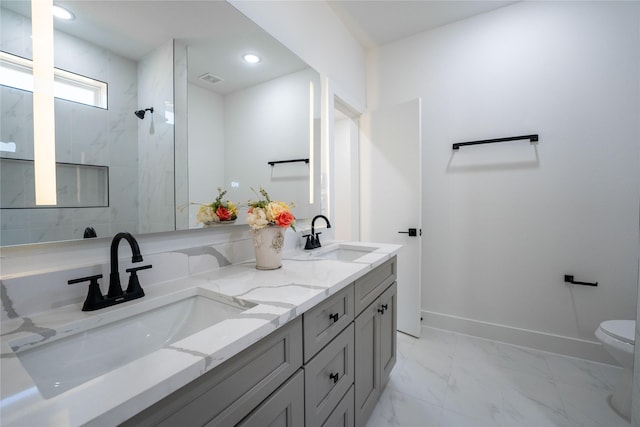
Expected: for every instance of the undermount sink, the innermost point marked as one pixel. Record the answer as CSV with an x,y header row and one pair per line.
x,y
343,252
63,364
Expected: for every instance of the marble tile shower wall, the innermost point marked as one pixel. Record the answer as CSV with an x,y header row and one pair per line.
x,y
26,294
156,141
84,134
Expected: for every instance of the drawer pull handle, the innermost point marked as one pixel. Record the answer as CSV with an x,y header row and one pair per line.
x,y
334,377
334,317
381,310
385,306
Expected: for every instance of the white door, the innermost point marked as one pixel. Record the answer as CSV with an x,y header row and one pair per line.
x,y
391,197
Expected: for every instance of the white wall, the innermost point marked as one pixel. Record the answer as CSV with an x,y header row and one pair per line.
x,y
206,147
504,222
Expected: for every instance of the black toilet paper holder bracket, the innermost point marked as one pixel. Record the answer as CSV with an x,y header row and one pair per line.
x,y
569,279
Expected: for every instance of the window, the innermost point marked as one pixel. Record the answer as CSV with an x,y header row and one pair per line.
x,y
17,72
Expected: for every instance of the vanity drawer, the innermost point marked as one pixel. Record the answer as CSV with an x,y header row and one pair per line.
x,y
371,285
343,415
328,376
323,322
284,408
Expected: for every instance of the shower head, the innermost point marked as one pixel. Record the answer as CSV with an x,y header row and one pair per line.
x,y
140,113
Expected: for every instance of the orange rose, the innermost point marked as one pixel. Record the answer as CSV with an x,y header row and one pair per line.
x,y
285,219
223,213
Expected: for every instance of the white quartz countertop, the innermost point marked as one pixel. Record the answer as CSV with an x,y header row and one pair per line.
x,y
275,297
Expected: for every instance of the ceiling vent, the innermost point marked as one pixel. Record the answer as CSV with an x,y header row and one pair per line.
x,y
210,78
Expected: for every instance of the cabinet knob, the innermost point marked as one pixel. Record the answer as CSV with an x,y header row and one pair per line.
x,y
385,306
334,377
334,317
381,310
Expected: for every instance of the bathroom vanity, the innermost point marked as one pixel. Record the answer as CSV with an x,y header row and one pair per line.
x,y
310,344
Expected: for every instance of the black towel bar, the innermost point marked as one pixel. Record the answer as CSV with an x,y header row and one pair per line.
x,y
531,138
569,279
272,163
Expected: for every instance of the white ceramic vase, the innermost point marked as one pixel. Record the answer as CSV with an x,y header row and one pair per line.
x,y
268,243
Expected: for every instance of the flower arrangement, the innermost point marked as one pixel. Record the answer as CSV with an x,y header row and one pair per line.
x,y
265,212
218,211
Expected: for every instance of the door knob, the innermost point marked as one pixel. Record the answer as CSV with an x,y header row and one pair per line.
x,y
412,232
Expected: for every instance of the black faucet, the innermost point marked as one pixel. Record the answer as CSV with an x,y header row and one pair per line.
x,y
313,239
115,290
95,300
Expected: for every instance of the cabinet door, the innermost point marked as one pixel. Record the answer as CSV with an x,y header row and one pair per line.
x,y
328,377
284,408
388,326
367,381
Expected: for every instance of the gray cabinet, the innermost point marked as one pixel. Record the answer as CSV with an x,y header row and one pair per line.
x,y
375,342
324,369
225,395
284,408
328,376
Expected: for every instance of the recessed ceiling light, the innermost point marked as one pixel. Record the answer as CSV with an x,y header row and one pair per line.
x,y
251,58
62,13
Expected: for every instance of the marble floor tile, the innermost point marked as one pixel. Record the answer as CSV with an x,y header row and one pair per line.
x,y
425,378
454,380
530,400
469,395
399,409
590,405
435,341
522,359
475,349
582,373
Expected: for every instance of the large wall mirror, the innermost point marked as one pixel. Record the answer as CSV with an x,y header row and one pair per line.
x,y
217,120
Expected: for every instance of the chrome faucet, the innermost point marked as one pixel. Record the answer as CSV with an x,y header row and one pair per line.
x,y
313,239
95,300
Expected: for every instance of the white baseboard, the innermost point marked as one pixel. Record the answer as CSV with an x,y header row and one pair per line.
x,y
583,349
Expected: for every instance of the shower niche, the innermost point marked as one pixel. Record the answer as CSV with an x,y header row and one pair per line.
x,y
78,185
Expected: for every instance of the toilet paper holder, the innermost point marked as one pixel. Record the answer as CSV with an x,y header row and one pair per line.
x,y
569,279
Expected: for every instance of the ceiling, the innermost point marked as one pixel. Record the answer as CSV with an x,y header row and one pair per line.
x,y
377,22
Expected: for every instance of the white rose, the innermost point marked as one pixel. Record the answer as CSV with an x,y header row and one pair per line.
x,y
257,219
206,214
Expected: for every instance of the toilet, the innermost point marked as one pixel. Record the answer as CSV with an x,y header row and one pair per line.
x,y
618,338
